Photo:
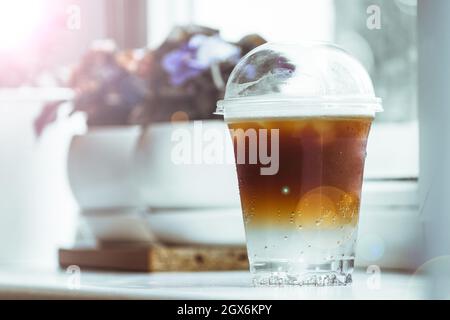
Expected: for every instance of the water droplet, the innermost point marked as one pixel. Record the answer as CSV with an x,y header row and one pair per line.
x,y
300,227
286,237
265,247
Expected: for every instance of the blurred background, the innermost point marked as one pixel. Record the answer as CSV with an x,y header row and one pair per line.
x,y
99,163
52,35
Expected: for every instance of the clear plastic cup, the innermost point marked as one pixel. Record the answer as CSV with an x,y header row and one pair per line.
x,y
299,117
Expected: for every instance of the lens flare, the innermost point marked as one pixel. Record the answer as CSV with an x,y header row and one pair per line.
x,y
19,19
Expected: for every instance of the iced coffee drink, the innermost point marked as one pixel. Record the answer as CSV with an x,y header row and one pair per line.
x,y
300,153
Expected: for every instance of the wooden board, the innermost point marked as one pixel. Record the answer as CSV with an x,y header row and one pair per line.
x,y
156,258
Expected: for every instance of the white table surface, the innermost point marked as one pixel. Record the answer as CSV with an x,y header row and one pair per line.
x,y
29,283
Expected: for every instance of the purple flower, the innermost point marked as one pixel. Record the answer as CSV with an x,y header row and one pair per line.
x,y
181,66
196,56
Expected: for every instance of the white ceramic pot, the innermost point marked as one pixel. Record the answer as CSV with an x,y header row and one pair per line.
x,y
119,174
165,181
100,168
37,210
101,176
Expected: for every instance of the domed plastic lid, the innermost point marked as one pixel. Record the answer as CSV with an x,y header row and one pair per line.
x,y
283,80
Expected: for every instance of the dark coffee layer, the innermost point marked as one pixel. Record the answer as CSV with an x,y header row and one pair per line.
x,y
318,184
